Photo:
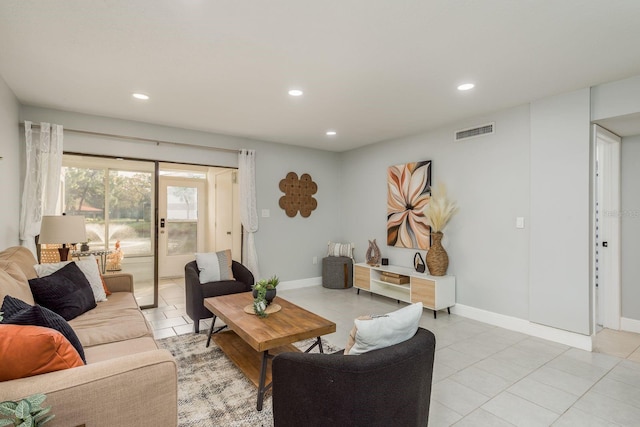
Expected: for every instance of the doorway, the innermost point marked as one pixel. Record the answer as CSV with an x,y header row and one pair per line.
x,y
198,211
606,274
181,217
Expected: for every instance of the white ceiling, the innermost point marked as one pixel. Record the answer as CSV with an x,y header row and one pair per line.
x,y
371,70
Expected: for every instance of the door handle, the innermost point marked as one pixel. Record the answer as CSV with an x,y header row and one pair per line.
x,y
229,233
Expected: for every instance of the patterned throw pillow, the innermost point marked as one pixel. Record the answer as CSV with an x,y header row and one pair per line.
x,y
88,266
340,249
66,292
17,312
214,266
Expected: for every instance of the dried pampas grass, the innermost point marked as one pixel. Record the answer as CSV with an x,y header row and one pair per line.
x,y
440,209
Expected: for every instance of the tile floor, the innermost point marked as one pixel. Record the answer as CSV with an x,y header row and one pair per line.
x,y
483,375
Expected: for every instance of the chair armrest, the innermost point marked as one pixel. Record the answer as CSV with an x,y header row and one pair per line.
x,y
120,282
138,389
242,274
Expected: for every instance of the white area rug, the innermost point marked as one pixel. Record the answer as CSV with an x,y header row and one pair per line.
x,y
212,391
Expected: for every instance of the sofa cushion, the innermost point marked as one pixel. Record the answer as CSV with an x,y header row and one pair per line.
x,y
113,350
375,332
23,257
214,266
17,312
13,282
117,319
33,350
66,292
88,266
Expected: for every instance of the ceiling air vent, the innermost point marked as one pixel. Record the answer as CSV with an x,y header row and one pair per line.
x,y
474,132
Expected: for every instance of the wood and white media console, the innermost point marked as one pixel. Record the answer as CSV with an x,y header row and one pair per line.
x,y
405,284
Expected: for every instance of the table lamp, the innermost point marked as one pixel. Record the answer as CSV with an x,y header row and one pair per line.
x,y
62,229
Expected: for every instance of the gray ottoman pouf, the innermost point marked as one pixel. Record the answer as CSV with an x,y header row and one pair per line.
x,y
337,272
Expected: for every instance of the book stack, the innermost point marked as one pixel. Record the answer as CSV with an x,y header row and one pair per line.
x,y
395,278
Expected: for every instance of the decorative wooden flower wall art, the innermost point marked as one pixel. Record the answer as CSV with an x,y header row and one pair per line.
x,y
298,194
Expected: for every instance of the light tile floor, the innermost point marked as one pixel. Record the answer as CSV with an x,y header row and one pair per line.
x,y
483,375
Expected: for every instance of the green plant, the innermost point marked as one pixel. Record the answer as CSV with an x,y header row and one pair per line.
x,y
25,413
267,284
260,302
260,289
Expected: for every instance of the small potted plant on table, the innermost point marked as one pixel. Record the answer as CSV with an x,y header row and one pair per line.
x,y
264,291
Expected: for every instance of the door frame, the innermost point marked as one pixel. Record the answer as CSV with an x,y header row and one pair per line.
x,y
607,302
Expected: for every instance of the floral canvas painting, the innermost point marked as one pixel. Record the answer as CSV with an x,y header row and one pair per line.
x,y
409,189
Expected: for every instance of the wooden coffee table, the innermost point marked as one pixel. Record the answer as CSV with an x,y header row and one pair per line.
x,y
252,341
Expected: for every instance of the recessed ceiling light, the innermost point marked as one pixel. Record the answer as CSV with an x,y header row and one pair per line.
x,y
141,96
466,86
295,92
331,133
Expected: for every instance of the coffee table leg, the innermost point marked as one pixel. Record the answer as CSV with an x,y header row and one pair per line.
x,y
320,345
263,376
213,322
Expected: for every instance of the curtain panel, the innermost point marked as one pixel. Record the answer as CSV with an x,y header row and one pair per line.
x,y
42,179
248,209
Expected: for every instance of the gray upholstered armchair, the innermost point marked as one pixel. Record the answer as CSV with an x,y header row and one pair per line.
x,y
386,387
196,292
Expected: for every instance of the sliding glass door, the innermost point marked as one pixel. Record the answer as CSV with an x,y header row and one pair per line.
x,y
197,212
116,197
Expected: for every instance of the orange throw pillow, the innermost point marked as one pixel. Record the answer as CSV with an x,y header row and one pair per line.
x,y
33,350
104,284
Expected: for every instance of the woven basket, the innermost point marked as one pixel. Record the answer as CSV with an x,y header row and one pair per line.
x,y
437,258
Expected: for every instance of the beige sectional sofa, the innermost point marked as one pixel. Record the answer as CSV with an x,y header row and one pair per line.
x,y
127,380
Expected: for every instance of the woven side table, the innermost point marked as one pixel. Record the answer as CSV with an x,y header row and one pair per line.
x,y
337,272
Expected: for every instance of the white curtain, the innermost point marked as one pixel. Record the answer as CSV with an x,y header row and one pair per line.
x,y
42,179
248,209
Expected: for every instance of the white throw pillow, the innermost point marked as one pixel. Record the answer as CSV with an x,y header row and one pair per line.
x,y
87,265
377,332
214,266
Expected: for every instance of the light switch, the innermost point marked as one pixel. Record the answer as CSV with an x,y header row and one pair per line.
x,y
266,213
520,222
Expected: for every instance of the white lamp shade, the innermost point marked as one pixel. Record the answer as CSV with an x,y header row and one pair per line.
x,y
62,229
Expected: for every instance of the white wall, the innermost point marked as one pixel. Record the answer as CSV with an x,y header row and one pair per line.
x,y
630,227
10,168
560,291
489,179
285,245
614,99
536,166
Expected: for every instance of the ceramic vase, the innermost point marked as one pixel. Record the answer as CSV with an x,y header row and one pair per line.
x,y
270,295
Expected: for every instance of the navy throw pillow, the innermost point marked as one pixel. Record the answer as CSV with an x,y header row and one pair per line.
x,y
18,312
66,292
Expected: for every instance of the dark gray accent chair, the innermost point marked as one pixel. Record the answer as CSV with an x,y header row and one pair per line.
x,y
386,387
196,292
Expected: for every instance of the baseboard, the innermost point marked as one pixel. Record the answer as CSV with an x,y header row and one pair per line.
x,y
630,325
572,339
302,283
